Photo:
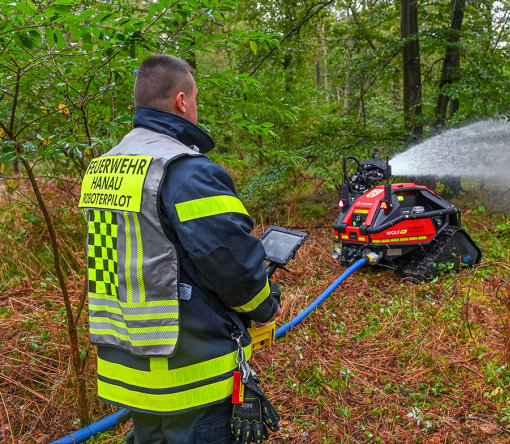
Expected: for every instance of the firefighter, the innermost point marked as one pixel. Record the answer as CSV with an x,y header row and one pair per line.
x,y
174,275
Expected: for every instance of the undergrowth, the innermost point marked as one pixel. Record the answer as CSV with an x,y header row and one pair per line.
x,y
25,247
382,360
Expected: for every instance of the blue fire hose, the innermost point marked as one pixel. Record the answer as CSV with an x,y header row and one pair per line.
x,y
293,322
93,429
116,418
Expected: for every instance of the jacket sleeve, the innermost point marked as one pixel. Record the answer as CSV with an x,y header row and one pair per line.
x,y
212,226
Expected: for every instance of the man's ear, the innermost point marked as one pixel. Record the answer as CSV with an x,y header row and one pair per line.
x,y
180,102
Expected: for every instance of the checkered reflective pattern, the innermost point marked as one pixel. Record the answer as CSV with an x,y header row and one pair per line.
x,y
102,253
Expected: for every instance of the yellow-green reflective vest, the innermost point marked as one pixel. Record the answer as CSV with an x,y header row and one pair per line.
x,y
132,265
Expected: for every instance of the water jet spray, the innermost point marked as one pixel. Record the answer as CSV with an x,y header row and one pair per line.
x,y
480,150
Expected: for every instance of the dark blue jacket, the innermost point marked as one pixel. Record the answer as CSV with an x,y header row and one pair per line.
x,y
220,261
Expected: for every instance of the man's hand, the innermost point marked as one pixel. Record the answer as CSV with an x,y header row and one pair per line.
x,y
275,291
277,313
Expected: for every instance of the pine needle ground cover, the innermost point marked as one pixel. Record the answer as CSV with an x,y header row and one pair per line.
x,y
382,360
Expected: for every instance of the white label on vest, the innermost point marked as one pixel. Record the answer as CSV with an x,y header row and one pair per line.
x,y
185,292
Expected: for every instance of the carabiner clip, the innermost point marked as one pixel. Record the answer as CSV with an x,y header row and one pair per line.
x,y
241,361
237,339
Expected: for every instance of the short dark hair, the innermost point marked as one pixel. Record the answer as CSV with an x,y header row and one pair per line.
x,y
159,76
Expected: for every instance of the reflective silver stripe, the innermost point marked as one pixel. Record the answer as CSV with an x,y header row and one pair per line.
x,y
107,314
139,253
135,310
108,326
131,334
97,301
152,323
134,323
132,261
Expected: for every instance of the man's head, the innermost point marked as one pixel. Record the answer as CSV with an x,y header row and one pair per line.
x,y
166,82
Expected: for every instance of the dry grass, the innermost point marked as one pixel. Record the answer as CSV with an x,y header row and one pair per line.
x,y
382,360
387,361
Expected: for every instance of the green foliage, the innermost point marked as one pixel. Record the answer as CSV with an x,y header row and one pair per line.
x,y
68,72
67,82
279,123
353,103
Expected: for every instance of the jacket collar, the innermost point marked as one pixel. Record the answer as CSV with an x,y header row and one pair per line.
x,y
174,126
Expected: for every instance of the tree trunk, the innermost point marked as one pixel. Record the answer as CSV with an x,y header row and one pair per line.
x,y
325,60
348,81
452,186
450,74
397,88
451,64
411,66
347,90
77,363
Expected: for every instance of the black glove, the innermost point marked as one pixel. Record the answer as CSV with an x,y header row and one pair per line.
x,y
249,419
275,291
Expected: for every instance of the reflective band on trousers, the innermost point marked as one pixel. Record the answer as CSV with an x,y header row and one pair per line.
x,y
254,302
169,402
159,377
164,378
209,206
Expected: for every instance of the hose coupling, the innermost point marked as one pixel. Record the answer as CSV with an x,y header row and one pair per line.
x,y
373,257
336,253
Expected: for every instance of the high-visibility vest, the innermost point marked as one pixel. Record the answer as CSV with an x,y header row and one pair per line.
x,y
133,281
132,265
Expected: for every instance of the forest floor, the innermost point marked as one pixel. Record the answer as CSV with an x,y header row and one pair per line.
x,y
381,360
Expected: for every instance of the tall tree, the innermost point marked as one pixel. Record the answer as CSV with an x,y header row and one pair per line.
x,y
451,64
411,65
449,75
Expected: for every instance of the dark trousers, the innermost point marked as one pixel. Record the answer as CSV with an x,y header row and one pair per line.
x,y
209,425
